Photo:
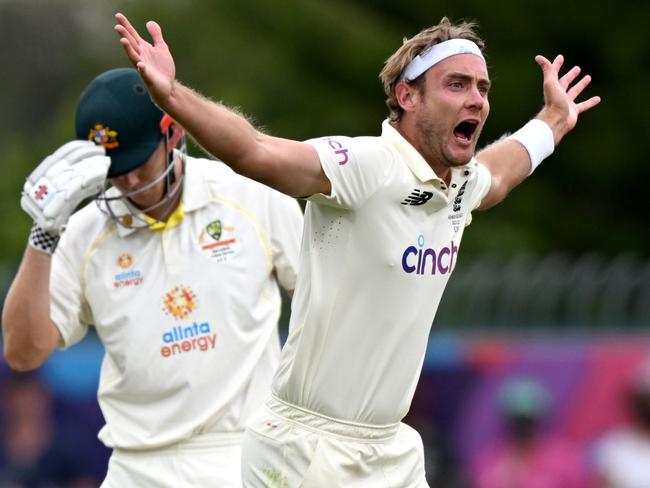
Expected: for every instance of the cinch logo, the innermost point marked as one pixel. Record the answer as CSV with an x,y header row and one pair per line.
x,y
339,150
179,302
419,260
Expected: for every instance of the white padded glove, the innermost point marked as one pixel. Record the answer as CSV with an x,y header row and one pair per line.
x,y
74,172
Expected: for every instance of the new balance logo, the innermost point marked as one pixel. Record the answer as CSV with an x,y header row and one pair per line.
x,y
417,197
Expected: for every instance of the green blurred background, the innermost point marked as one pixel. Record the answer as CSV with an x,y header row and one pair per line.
x,y
567,254
307,68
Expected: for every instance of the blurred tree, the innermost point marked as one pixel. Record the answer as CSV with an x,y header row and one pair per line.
x,y
306,68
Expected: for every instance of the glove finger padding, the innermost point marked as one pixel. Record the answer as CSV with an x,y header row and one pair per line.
x,y
53,191
72,151
77,183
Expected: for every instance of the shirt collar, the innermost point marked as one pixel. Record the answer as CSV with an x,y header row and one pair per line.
x,y
414,159
199,195
174,219
190,201
411,156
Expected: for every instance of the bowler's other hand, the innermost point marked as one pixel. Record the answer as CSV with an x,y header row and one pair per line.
x,y
154,61
561,110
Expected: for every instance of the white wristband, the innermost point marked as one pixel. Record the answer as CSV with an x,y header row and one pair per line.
x,y
537,137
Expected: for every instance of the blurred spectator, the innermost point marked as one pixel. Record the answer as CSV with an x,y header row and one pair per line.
x,y
440,464
623,455
32,453
527,457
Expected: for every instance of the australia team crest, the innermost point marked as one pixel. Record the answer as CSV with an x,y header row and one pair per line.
x,y
218,240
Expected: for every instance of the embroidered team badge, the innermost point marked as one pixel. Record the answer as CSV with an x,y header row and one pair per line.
x,y
103,136
458,216
214,229
179,302
218,241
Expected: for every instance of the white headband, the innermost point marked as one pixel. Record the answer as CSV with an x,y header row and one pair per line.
x,y
437,53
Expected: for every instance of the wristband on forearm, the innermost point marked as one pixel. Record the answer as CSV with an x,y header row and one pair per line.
x,y
42,241
537,137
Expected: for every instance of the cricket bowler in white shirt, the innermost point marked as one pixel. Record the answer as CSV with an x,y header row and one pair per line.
x,y
177,266
383,226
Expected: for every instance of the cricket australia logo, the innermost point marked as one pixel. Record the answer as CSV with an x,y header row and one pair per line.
x,y
103,136
218,240
417,197
214,229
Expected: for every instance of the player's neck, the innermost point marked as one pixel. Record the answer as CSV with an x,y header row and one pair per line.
x,y
171,197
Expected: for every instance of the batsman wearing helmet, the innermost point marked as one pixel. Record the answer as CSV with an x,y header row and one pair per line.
x,y
177,265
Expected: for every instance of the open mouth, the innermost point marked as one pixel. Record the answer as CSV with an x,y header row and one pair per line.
x,y
465,130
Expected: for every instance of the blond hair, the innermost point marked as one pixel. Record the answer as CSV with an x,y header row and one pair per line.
x,y
410,48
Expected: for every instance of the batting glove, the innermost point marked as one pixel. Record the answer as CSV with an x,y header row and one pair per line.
x,y
76,171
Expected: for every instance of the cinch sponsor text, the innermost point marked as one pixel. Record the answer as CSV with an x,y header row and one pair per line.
x,y
421,260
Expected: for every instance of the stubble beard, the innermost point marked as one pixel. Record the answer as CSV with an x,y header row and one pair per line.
x,y
433,145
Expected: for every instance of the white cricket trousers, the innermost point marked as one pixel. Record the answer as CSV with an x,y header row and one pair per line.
x,y
206,460
289,447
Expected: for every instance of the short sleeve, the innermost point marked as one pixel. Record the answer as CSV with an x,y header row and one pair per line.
x,y
286,224
67,308
479,187
356,167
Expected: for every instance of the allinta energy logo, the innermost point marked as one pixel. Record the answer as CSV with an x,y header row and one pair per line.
x,y
188,338
127,276
179,302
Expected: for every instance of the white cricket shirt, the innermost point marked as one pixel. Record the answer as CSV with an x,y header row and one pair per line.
x,y
376,256
187,315
621,456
